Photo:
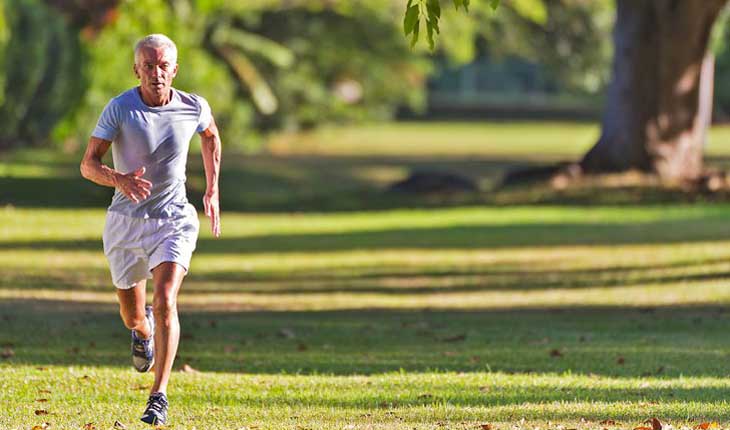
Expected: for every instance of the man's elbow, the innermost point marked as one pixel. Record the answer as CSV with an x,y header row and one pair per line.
x,y
85,170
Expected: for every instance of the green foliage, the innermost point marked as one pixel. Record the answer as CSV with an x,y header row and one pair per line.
x,y
348,65
111,60
43,74
263,65
569,37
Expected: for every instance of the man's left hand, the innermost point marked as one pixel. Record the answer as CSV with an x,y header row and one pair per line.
x,y
212,211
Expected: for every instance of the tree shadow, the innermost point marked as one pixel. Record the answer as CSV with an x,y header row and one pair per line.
x,y
612,341
267,183
711,227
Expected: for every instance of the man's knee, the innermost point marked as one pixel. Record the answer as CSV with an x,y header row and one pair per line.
x,y
133,321
164,304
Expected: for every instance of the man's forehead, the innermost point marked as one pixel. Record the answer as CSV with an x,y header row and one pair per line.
x,y
149,54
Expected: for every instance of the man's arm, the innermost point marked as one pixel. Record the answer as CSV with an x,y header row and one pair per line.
x,y
211,149
131,184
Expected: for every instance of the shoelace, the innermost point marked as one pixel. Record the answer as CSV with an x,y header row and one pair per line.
x,y
157,404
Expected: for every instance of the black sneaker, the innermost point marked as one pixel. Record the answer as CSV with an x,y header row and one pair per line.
x,y
156,412
143,350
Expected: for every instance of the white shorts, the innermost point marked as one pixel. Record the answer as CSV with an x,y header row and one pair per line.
x,y
135,246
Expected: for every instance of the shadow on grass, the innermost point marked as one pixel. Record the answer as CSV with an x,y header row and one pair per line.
x,y
268,183
708,228
613,341
372,280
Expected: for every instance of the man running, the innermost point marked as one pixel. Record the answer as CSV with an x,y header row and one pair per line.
x,y
151,229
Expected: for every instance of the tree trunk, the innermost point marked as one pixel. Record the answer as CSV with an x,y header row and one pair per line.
x,y
660,97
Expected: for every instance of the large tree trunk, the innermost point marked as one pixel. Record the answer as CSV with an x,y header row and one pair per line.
x,y
660,98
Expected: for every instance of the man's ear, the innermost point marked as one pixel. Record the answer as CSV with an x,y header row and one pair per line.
x,y
134,68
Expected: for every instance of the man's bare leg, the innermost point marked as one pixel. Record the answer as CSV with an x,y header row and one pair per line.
x,y
131,308
167,278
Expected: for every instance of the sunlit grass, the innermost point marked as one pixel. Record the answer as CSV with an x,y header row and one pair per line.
x,y
522,317
517,316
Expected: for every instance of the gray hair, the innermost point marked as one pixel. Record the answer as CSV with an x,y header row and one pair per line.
x,y
156,41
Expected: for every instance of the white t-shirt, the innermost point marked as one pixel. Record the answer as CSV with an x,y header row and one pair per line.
x,y
157,138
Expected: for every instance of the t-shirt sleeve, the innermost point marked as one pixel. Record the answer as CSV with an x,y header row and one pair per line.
x,y
107,127
205,116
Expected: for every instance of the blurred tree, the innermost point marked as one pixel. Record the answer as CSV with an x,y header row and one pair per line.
x,y
267,63
43,59
660,95
339,64
660,98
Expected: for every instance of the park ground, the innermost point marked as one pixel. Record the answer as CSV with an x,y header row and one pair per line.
x,y
329,303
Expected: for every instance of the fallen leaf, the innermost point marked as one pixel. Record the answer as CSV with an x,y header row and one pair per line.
x,y
43,426
41,412
608,423
555,353
41,368
41,400
486,427
89,426
706,426
425,396
457,338
186,368
642,428
655,423
44,391
119,426
620,360
484,389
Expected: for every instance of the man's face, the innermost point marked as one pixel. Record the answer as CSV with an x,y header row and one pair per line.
x,y
156,69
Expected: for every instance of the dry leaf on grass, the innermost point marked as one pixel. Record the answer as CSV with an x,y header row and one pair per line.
x,y
706,426
43,426
41,412
655,423
89,426
119,426
186,368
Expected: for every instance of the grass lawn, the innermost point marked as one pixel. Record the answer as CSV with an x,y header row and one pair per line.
x,y
408,316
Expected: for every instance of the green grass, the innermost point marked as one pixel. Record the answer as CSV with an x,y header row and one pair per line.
x,y
550,317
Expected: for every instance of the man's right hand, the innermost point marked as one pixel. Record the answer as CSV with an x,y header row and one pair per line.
x,y
133,186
